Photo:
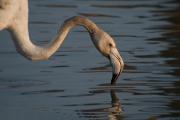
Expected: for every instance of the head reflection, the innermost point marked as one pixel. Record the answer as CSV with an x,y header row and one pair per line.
x,y
114,112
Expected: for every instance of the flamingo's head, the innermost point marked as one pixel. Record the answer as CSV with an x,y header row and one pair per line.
x,y
107,47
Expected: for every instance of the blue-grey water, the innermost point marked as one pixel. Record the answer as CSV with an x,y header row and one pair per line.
x,y
73,83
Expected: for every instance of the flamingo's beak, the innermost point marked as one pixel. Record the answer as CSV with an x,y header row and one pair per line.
x,y
117,64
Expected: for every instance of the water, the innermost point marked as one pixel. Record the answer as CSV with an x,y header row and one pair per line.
x,y
67,87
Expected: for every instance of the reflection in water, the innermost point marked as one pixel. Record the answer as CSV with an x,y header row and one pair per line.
x,y
111,113
171,35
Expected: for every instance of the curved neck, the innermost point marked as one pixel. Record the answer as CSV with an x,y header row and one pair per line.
x,y
66,27
25,47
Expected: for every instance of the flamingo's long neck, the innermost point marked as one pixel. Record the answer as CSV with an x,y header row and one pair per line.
x,y
66,27
20,33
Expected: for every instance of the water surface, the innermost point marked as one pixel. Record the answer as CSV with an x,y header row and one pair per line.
x,y
74,83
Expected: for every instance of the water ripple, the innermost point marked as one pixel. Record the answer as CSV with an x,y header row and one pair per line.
x,y
133,36
97,15
40,22
129,6
13,83
42,92
106,68
60,66
57,6
77,95
6,52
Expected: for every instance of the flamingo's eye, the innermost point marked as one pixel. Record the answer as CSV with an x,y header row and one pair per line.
x,y
110,45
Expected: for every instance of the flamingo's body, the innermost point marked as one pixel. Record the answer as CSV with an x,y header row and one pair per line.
x,y
14,17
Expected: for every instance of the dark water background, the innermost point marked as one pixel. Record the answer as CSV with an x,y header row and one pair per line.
x,y
73,84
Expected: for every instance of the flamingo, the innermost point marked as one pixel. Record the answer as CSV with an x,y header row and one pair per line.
x,y
14,18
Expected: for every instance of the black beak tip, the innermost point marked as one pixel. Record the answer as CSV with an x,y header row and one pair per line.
x,y
114,79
